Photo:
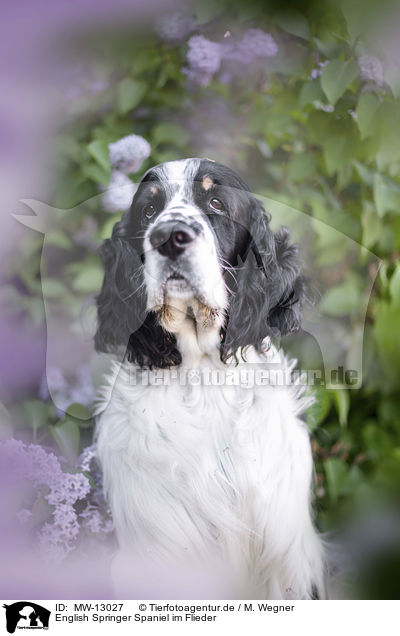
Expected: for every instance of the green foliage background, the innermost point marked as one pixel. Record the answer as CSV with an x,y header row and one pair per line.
x,y
328,146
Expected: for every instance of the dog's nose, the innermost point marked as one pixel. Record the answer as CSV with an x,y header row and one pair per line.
x,y
171,238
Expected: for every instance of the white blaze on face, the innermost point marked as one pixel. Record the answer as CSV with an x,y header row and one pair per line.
x,y
198,264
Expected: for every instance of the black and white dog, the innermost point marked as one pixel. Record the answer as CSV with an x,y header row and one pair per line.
x,y
201,465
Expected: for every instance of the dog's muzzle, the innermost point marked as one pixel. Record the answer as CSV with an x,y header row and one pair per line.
x,y
171,238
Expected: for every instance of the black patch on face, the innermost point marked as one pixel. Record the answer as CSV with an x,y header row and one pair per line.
x,y
230,225
150,193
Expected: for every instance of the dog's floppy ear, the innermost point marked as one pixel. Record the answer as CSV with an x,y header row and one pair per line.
x,y
269,291
123,323
120,303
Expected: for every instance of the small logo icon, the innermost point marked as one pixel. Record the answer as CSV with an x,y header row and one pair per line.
x,y
26,615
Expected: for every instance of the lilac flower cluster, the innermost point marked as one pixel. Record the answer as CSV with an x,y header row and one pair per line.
x,y
96,516
317,72
205,57
175,27
54,385
42,473
128,153
32,465
119,193
371,69
254,44
126,156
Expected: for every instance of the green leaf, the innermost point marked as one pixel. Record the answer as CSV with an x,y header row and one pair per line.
x,y
341,400
67,437
392,78
341,300
37,413
99,151
311,92
78,412
170,133
130,93
336,77
387,125
96,173
336,473
89,279
302,166
386,195
371,226
53,288
366,110
365,175
385,329
338,151
294,22
358,16
59,239
318,411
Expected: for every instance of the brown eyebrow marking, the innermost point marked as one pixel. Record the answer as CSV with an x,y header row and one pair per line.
x,y
153,189
207,183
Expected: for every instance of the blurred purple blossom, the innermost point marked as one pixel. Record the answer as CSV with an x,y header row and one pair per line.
x,y
175,27
86,457
317,72
128,153
94,521
52,381
254,44
67,489
119,193
371,69
204,59
54,385
40,473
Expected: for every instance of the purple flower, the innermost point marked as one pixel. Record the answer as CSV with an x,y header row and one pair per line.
x,y
94,521
83,390
68,489
119,193
40,471
204,59
80,389
127,154
316,72
371,69
52,381
86,457
175,27
254,44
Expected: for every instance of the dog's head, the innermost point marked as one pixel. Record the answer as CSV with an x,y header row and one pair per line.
x,y
194,260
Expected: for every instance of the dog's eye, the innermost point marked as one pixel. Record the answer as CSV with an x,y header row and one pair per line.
x,y
149,210
216,204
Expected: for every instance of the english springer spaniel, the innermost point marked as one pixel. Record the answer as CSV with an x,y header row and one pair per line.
x,y
201,465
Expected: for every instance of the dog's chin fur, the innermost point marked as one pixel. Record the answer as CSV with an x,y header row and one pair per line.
x,y
209,477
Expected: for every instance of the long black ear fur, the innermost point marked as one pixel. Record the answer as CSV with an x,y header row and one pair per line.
x,y
123,322
269,290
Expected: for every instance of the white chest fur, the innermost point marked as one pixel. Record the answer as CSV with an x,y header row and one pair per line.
x,y
198,470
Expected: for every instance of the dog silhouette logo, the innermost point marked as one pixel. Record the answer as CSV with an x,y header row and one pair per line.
x,y
26,615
